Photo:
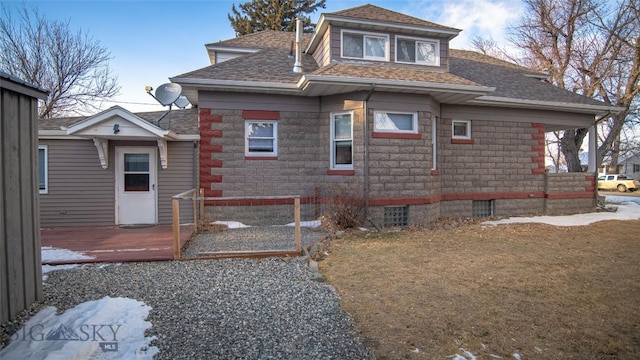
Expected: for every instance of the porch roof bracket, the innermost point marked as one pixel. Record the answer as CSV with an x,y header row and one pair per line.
x,y
162,147
102,145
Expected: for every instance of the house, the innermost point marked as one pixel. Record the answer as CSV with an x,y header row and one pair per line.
x,y
20,272
115,167
630,165
378,100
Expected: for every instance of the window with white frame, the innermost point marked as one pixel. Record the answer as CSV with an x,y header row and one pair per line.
x,y
418,51
359,45
461,129
400,122
342,141
261,138
43,169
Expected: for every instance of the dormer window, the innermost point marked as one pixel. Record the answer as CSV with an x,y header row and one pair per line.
x,y
367,46
418,51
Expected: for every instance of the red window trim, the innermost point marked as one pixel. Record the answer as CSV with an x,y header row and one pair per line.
x,y
341,172
384,135
261,158
463,141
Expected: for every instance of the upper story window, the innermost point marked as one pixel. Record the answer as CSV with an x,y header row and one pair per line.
x,y
261,138
368,46
400,122
418,51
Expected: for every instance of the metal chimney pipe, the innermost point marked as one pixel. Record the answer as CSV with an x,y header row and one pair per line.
x,y
297,66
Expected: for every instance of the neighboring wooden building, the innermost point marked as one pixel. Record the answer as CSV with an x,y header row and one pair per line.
x,y
20,270
116,167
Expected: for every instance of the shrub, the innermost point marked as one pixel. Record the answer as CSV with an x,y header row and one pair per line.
x,y
344,207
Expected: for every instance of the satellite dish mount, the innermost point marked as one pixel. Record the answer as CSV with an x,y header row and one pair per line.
x,y
167,95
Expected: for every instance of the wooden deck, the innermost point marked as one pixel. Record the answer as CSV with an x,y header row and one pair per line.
x,y
115,244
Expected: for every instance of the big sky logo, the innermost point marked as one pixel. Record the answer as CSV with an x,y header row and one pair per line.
x,y
105,334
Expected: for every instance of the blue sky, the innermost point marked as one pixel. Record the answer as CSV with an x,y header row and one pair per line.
x,y
151,41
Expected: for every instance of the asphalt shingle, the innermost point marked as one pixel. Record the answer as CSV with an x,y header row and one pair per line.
x,y
372,12
179,121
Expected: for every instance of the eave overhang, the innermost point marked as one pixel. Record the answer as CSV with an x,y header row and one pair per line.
x,y
320,85
545,105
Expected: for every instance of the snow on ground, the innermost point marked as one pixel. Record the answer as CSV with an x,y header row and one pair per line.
x,y
307,224
55,254
232,224
628,208
109,328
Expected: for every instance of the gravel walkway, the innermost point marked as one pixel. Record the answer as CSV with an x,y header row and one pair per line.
x,y
222,309
250,239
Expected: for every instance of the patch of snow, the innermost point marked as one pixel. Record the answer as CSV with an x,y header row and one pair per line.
x,y
629,211
307,224
48,268
56,254
232,224
363,229
517,356
466,355
416,351
108,328
619,199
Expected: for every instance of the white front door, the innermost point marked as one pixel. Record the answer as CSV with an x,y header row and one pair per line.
x,y
136,200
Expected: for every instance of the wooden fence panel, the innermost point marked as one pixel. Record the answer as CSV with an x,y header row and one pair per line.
x,y
20,269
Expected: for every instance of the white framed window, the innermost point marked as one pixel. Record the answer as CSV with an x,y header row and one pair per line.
x,y
395,121
261,138
341,152
417,51
43,169
367,46
461,129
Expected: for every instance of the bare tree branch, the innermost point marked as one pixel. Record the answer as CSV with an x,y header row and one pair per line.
x,y
72,66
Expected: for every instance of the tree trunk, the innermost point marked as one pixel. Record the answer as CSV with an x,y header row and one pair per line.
x,y
570,144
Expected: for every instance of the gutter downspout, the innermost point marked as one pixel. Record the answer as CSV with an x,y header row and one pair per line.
x,y
365,186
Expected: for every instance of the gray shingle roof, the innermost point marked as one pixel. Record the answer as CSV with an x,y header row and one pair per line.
x,y
372,12
178,121
465,67
268,65
509,79
390,73
266,39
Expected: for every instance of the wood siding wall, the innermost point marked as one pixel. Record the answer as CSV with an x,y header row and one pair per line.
x,y
20,269
82,193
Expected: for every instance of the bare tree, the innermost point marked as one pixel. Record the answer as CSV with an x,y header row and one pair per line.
x,y
72,66
591,47
552,142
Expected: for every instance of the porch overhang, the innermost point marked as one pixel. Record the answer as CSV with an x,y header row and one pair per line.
x,y
117,123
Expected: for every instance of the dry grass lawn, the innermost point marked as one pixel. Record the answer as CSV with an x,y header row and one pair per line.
x,y
537,291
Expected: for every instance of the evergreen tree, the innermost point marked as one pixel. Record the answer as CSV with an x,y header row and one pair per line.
x,y
257,15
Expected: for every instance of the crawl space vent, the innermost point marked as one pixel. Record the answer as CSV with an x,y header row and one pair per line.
x,y
396,216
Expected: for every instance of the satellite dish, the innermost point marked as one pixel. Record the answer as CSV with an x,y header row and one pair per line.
x,y
166,94
181,102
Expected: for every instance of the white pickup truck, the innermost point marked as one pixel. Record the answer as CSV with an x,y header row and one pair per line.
x,y
617,182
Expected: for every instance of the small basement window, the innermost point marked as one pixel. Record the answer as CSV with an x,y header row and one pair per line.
x,y
395,216
482,208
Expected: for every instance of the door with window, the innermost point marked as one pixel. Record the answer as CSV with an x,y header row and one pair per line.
x,y
136,199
